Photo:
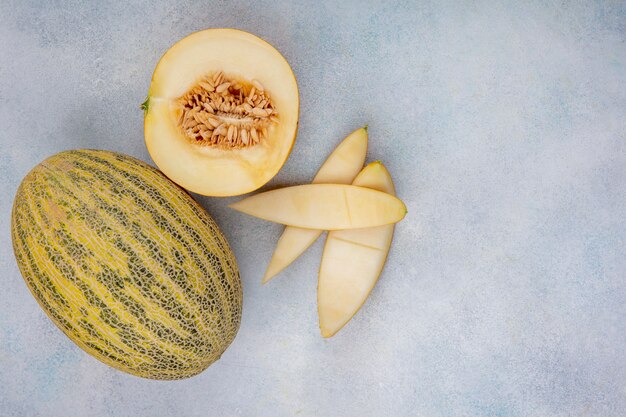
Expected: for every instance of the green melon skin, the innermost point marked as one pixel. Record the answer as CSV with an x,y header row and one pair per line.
x,y
126,264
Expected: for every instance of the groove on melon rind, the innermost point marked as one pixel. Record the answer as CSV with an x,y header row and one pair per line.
x,y
142,348
195,236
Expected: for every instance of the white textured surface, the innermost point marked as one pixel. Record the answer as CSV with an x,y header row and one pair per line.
x,y
504,125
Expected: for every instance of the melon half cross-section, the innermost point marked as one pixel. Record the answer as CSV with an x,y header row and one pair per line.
x,y
222,112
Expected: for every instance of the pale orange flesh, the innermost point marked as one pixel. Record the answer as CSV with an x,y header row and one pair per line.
x,y
352,261
341,167
221,170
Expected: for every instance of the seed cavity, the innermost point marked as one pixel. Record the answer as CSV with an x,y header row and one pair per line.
x,y
223,112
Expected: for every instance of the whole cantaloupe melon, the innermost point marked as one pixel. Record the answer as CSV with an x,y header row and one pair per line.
x,y
126,264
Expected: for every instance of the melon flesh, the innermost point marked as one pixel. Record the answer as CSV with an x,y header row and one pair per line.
x,y
325,207
341,167
352,261
220,170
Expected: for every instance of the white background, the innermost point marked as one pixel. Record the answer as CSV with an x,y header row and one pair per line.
x,y
503,124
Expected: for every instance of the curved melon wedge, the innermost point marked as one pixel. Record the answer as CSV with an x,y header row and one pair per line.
x,y
352,261
341,167
325,206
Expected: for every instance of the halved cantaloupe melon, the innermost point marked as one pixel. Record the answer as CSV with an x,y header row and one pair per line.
x,y
222,112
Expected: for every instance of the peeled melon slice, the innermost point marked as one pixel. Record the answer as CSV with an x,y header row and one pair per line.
x,y
324,206
222,112
352,261
341,167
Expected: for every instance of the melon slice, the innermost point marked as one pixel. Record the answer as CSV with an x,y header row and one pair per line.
x,y
324,206
352,261
341,167
222,112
